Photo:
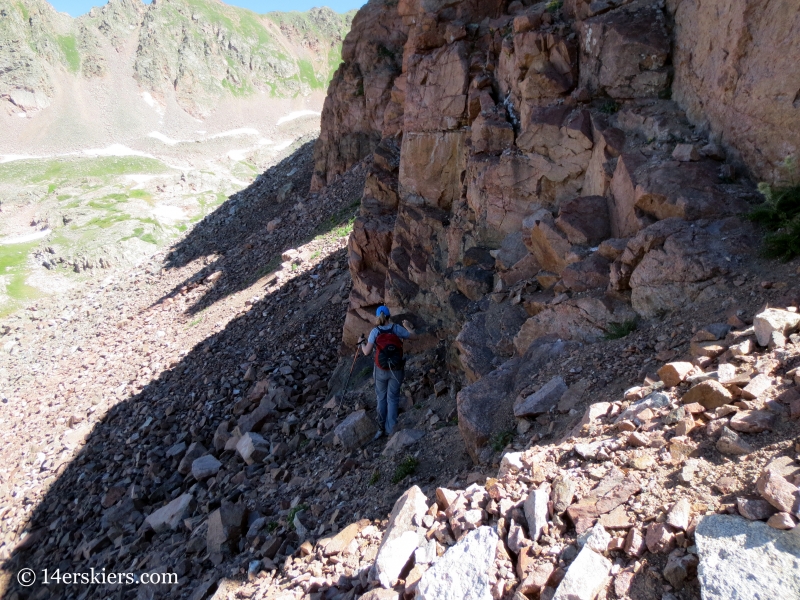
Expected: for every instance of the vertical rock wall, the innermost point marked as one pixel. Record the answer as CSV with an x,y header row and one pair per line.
x,y
736,71
531,176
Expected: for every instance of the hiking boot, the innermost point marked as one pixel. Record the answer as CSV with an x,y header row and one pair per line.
x,y
378,435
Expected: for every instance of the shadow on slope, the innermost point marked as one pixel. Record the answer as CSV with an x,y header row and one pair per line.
x,y
92,516
245,236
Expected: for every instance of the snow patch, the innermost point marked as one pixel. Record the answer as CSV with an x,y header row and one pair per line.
x,y
152,103
22,239
169,214
238,154
4,158
116,150
162,138
284,145
296,115
139,179
235,132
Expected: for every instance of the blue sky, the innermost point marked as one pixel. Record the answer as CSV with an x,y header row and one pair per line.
x,y
79,7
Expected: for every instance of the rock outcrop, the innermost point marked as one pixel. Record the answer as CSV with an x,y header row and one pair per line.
x,y
526,155
736,86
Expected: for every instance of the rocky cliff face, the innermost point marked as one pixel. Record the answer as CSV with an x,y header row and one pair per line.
x,y
533,178
199,52
735,70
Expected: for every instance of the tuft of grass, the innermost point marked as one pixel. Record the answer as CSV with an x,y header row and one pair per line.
x,y
780,215
408,466
294,511
609,107
272,526
194,322
501,439
617,331
69,47
554,6
376,476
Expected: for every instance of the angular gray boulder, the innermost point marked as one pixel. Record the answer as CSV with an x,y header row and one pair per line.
x,y
746,560
401,537
356,430
463,572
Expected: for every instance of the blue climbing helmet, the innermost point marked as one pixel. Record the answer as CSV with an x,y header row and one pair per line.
x,y
382,310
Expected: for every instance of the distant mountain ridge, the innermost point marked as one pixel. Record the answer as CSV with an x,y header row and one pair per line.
x,y
196,52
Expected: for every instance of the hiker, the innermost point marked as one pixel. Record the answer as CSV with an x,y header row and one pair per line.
x,y
388,372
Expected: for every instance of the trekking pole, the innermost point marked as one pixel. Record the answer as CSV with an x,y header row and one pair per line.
x,y
347,382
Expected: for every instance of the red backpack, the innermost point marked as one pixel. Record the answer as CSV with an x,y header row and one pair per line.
x,y
388,350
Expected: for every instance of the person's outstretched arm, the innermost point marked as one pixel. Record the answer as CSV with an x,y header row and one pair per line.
x,y
410,329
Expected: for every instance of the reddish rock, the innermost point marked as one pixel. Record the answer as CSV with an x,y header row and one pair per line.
x,y
782,521
757,387
686,153
587,274
583,515
754,509
709,394
675,372
752,421
550,247
659,538
635,544
624,53
781,494
584,220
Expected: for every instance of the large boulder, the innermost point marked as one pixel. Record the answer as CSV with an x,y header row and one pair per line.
x,y
463,572
663,188
586,576
741,559
673,263
587,274
584,319
549,245
486,407
401,537
487,339
356,430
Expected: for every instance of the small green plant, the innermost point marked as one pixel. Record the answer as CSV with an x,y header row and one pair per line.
x,y
293,513
617,331
194,322
609,107
407,467
501,439
315,255
294,266
780,215
344,229
376,476
554,6
360,89
272,526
